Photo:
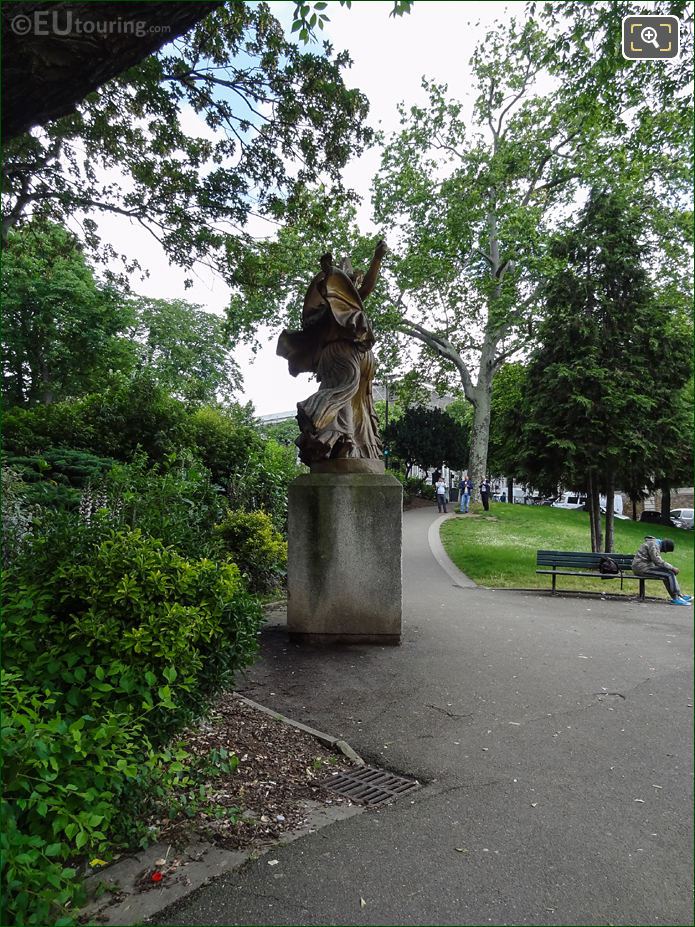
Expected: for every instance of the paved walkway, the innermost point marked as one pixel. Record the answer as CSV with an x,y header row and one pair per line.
x,y
555,738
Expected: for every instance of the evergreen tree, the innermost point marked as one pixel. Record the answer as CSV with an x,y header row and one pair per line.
x,y
427,438
612,361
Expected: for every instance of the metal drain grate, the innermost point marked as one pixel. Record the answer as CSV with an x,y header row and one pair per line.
x,y
369,786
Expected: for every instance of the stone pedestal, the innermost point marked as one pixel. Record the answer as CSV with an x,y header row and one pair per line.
x,y
344,565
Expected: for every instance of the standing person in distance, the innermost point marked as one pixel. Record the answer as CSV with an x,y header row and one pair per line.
x,y
465,490
485,494
649,562
441,494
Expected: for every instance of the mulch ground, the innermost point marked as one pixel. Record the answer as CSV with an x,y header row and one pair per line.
x,y
279,768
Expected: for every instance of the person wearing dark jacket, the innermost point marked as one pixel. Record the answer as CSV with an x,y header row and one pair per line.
x,y
649,562
485,494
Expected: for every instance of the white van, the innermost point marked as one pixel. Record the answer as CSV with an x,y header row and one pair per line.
x,y
617,505
577,500
570,500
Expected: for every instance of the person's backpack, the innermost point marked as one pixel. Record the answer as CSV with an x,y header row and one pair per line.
x,y
608,567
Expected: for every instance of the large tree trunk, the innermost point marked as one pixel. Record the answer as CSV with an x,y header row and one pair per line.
x,y
594,513
510,490
610,506
596,509
46,384
480,437
592,525
665,502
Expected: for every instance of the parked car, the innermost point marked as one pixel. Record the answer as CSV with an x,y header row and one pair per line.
x,y
683,518
653,517
570,500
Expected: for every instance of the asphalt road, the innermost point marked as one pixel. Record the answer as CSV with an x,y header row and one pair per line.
x,y
553,737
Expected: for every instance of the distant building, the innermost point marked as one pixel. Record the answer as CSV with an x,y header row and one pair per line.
x,y
276,417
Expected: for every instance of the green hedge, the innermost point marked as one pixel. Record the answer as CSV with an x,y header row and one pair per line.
x,y
112,642
55,477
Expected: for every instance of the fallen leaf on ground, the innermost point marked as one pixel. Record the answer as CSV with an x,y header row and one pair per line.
x,y
363,903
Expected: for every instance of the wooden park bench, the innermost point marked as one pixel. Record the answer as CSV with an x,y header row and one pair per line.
x,y
581,563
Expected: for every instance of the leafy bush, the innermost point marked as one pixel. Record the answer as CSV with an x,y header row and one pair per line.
x,y
132,413
224,440
175,501
112,642
126,606
62,464
256,547
60,424
262,484
428,491
414,485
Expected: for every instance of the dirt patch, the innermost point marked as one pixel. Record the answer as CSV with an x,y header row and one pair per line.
x,y
263,798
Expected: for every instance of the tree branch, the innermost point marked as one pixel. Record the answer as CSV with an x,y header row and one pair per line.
x,y
516,98
444,348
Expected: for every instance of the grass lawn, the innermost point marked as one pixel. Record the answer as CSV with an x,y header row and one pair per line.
x,y
498,548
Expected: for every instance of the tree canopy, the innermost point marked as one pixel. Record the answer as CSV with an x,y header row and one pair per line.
x,y
185,348
68,334
230,121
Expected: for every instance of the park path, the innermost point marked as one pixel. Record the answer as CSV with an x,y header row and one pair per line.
x,y
554,738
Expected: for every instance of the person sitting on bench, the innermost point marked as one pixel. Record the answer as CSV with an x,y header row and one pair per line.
x,y
649,562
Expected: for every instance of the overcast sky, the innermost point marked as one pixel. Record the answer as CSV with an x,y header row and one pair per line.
x,y
390,57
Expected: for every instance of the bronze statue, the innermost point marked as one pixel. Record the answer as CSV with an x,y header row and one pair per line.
x,y
338,421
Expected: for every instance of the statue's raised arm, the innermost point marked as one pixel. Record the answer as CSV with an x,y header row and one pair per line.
x,y
369,281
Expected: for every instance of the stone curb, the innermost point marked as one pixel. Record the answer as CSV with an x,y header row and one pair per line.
x,y
335,742
457,577
204,861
